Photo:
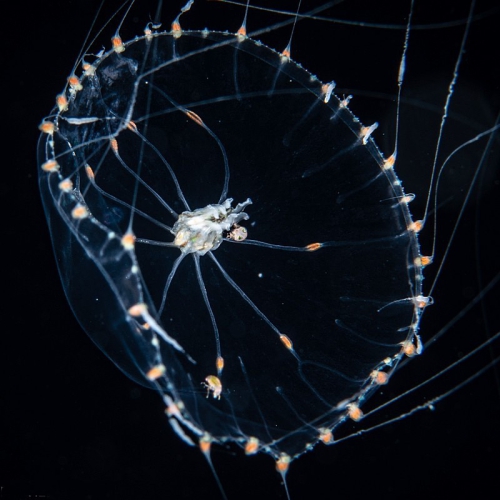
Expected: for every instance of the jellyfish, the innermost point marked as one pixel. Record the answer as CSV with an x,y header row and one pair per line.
x,y
230,234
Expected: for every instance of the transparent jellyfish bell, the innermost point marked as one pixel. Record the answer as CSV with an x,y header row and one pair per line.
x,y
173,124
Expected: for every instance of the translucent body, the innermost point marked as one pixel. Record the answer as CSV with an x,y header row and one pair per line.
x,y
308,241
173,121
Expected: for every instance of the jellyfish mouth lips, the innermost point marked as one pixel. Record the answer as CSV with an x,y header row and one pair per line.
x,y
203,229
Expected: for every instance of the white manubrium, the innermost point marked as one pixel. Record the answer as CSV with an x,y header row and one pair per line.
x,y
203,229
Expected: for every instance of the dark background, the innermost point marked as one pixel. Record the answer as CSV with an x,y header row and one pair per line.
x,y
74,427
